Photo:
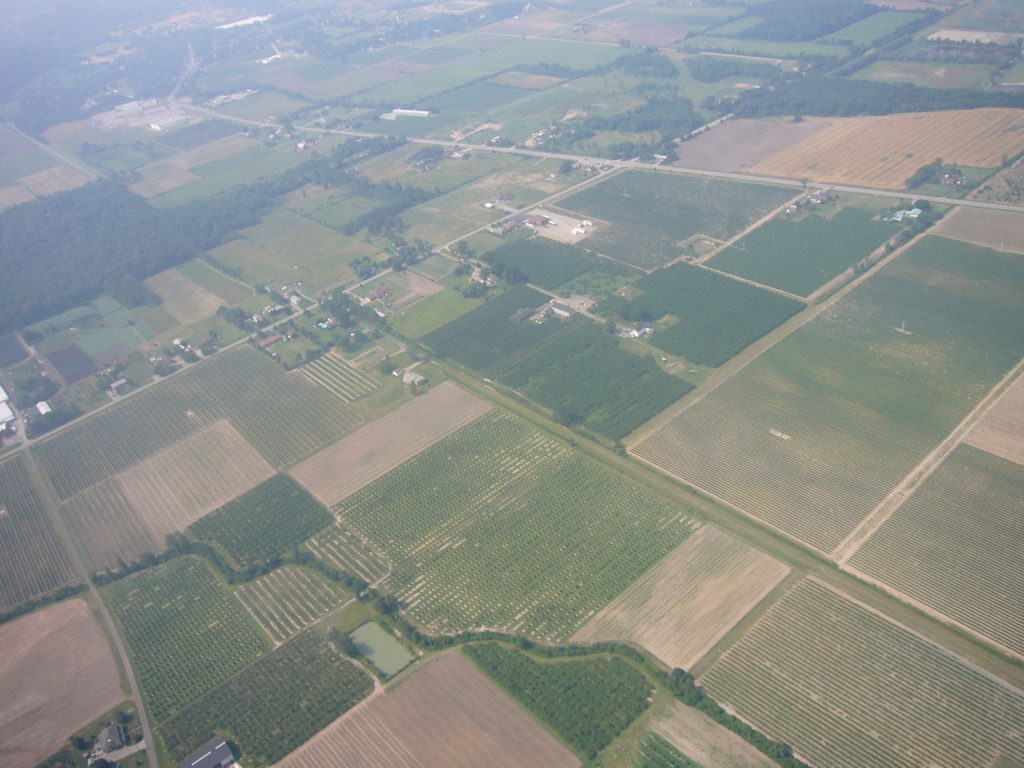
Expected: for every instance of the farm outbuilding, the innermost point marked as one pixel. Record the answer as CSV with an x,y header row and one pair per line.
x,y
215,754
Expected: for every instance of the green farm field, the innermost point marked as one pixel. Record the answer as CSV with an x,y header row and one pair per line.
x,y
273,706
954,545
874,27
230,291
431,313
284,417
651,214
927,74
762,47
262,105
32,560
814,433
849,689
488,547
801,256
184,630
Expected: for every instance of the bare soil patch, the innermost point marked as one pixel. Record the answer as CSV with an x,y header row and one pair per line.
x,y
1001,230
684,605
416,287
133,512
186,301
57,675
13,195
368,453
56,179
884,151
736,145
705,741
448,715
1001,429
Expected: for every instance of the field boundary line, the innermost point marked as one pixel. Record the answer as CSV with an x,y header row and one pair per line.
x,y
732,240
881,513
942,649
762,286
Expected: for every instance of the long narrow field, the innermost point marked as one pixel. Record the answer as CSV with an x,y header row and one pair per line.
x,y
522,534
289,599
1002,230
185,632
365,455
955,545
335,375
284,417
812,435
849,689
274,705
704,741
885,151
347,552
134,511
447,715
1001,429
57,675
688,602
32,560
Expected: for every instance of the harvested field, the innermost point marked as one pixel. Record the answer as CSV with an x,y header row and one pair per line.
x,y
1002,230
885,151
706,742
10,196
183,299
351,463
174,172
133,512
1001,429
288,599
56,179
740,144
688,602
57,675
447,715
848,688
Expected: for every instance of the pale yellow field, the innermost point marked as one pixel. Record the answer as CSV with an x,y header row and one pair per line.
x,y
447,715
1002,230
56,179
704,741
13,195
1001,429
133,512
685,604
885,151
57,675
365,455
186,301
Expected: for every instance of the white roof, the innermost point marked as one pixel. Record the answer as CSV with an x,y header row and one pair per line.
x,y
43,407
4,397
6,414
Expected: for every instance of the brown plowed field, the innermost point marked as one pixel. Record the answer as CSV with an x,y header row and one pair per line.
x,y
365,455
1001,429
1002,230
447,715
885,151
57,675
739,144
685,604
133,512
704,741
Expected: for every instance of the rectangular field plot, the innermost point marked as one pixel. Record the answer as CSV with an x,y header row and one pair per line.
x,y
133,512
32,560
955,545
351,463
348,552
285,418
849,689
185,632
447,713
651,214
688,602
1001,430
704,741
801,256
521,534
381,648
185,300
812,435
289,599
273,706
338,377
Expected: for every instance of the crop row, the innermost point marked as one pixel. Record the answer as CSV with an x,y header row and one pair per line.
x,y
955,545
275,705
339,378
655,752
289,599
32,560
847,688
285,417
347,552
185,632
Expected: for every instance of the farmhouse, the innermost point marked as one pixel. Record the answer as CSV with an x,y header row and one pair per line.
x,y
216,754
394,114
821,196
537,220
112,737
561,310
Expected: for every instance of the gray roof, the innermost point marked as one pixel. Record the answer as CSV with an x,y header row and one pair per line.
x,y
213,755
